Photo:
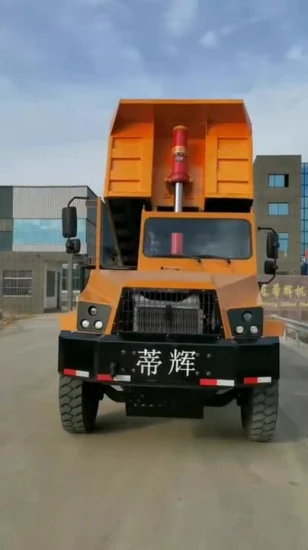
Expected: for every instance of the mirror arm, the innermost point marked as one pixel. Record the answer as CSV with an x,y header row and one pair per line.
x,y
261,283
77,197
261,228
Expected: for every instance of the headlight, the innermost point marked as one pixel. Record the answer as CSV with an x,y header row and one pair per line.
x,y
92,317
246,323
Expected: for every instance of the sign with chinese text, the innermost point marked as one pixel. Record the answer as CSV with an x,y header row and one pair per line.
x,y
149,361
286,292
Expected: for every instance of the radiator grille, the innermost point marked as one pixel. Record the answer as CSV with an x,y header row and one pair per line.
x,y
168,312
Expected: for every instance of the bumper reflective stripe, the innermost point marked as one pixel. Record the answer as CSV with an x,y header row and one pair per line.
x,y
82,373
216,382
104,378
258,380
122,378
117,378
73,372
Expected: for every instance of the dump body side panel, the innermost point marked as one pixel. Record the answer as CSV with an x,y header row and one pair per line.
x,y
228,164
219,151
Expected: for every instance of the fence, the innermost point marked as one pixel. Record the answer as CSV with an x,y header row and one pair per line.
x,y
296,328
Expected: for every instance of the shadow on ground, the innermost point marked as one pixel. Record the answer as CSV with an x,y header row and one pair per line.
x,y
218,424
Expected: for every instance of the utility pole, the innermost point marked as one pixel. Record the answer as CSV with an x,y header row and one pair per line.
x,y
70,265
70,282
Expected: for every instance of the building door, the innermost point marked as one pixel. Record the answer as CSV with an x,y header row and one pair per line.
x,y
51,289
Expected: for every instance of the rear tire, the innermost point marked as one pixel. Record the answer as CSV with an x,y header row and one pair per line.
x,y
259,412
78,404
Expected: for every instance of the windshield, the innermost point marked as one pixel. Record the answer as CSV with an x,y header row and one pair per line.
x,y
167,237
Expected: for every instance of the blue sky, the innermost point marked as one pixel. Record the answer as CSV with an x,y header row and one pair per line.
x,y
64,65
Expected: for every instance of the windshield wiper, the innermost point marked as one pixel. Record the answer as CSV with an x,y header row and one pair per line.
x,y
200,257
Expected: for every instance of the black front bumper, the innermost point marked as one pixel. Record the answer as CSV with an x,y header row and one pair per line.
x,y
114,360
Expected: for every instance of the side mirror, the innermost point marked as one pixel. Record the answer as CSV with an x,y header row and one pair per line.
x,y
73,246
69,222
272,245
270,267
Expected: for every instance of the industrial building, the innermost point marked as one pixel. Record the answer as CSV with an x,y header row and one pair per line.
x,y
281,202
33,269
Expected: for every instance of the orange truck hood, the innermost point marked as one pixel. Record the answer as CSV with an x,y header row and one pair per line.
x,y
232,290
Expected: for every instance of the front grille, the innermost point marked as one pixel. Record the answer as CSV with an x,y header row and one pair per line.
x,y
150,311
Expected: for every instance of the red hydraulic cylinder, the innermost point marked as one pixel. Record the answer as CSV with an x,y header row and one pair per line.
x,y
179,172
179,175
178,178
176,244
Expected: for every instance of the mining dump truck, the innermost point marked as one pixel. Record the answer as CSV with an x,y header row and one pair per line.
x,y
173,323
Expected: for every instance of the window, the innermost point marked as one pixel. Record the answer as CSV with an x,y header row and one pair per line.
x,y
278,180
197,237
278,208
283,242
6,241
77,277
17,283
43,232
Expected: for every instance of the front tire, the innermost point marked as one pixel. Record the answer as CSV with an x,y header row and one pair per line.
x,y
259,412
78,404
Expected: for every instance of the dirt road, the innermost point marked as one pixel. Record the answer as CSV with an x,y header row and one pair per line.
x,y
143,484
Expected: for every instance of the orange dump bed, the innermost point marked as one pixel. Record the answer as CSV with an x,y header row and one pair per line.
x,y
219,150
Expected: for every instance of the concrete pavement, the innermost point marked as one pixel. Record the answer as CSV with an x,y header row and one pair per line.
x,y
143,484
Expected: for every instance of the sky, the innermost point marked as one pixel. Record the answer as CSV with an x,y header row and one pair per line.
x,y
65,64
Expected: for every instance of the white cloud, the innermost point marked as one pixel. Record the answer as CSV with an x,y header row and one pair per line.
x,y
181,16
132,54
295,53
67,164
278,114
60,137
171,49
228,30
209,40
